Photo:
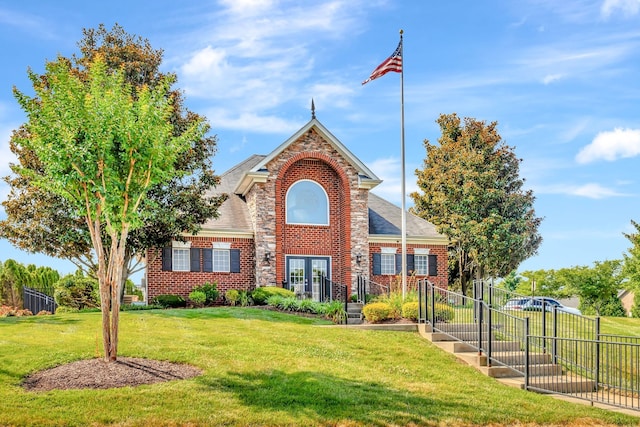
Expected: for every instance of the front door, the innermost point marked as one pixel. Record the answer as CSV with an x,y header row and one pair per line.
x,y
305,274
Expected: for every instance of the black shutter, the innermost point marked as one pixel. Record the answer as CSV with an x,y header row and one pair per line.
x,y
377,264
398,263
166,259
195,259
207,260
433,265
411,265
235,260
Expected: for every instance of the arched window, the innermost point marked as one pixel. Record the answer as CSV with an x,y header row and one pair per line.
x,y
307,203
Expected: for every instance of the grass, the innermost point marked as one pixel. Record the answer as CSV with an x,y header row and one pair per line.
x,y
264,368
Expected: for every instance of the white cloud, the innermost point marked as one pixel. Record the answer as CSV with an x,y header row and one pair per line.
x,y
389,171
550,78
255,56
611,145
247,120
590,190
627,7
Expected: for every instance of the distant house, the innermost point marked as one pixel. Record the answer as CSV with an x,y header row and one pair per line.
x,y
626,297
302,211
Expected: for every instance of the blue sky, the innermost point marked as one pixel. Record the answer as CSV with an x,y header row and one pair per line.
x,y
561,78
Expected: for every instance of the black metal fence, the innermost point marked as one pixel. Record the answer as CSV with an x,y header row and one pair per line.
x,y
36,301
366,288
553,350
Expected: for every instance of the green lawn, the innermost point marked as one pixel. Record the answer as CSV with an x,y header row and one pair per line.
x,y
264,368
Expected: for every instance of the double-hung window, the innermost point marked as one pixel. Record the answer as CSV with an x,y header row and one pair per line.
x,y
388,261
421,261
181,260
221,257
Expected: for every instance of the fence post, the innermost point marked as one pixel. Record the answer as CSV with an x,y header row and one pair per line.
x,y
420,313
479,310
597,367
544,326
433,305
526,353
554,344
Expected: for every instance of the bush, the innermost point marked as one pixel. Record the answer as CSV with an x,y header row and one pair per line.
x,y
335,311
8,311
77,292
169,301
63,309
377,311
395,301
245,298
443,313
261,295
232,296
198,298
410,310
210,290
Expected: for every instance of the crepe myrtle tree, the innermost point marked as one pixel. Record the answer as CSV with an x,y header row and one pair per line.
x,y
40,221
101,149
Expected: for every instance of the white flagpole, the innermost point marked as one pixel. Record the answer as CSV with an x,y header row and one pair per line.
x,y
404,207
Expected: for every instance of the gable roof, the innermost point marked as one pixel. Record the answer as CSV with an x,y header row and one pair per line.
x,y
385,224
259,173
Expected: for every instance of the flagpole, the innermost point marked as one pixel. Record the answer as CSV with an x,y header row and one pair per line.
x,y
404,208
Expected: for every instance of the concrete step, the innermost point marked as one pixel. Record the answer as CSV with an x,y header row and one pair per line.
x,y
354,306
513,358
562,384
465,347
354,320
460,327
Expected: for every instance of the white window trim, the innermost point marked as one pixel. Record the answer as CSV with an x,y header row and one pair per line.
x,y
286,201
415,261
388,250
213,259
421,251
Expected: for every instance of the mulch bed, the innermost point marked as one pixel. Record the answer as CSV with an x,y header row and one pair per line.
x,y
98,374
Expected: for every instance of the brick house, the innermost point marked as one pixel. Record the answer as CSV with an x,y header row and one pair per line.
x,y
302,210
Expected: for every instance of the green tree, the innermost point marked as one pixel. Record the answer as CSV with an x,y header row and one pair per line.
x,y
102,146
13,277
511,281
42,221
597,286
631,260
471,190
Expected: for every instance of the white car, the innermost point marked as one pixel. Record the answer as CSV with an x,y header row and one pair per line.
x,y
535,304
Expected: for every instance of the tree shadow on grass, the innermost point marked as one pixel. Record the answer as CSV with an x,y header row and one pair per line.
x,y
49,319
327,399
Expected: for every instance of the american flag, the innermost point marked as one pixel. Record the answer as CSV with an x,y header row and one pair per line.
x,y
392,63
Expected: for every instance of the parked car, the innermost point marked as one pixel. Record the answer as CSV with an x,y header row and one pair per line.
x,y
516,304
535,304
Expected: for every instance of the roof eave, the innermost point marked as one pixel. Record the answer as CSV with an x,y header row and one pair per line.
x,y
249,179
414,240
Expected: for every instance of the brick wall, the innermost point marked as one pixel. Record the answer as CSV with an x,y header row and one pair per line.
x,y
182,282
311,157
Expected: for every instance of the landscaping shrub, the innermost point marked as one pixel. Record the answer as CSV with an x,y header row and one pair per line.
x,y
232,297
8,311
210,290
261,295
62,309
244,298
169,301
198,298
335,311
410,310
76,291
395,301
377,311
443,312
